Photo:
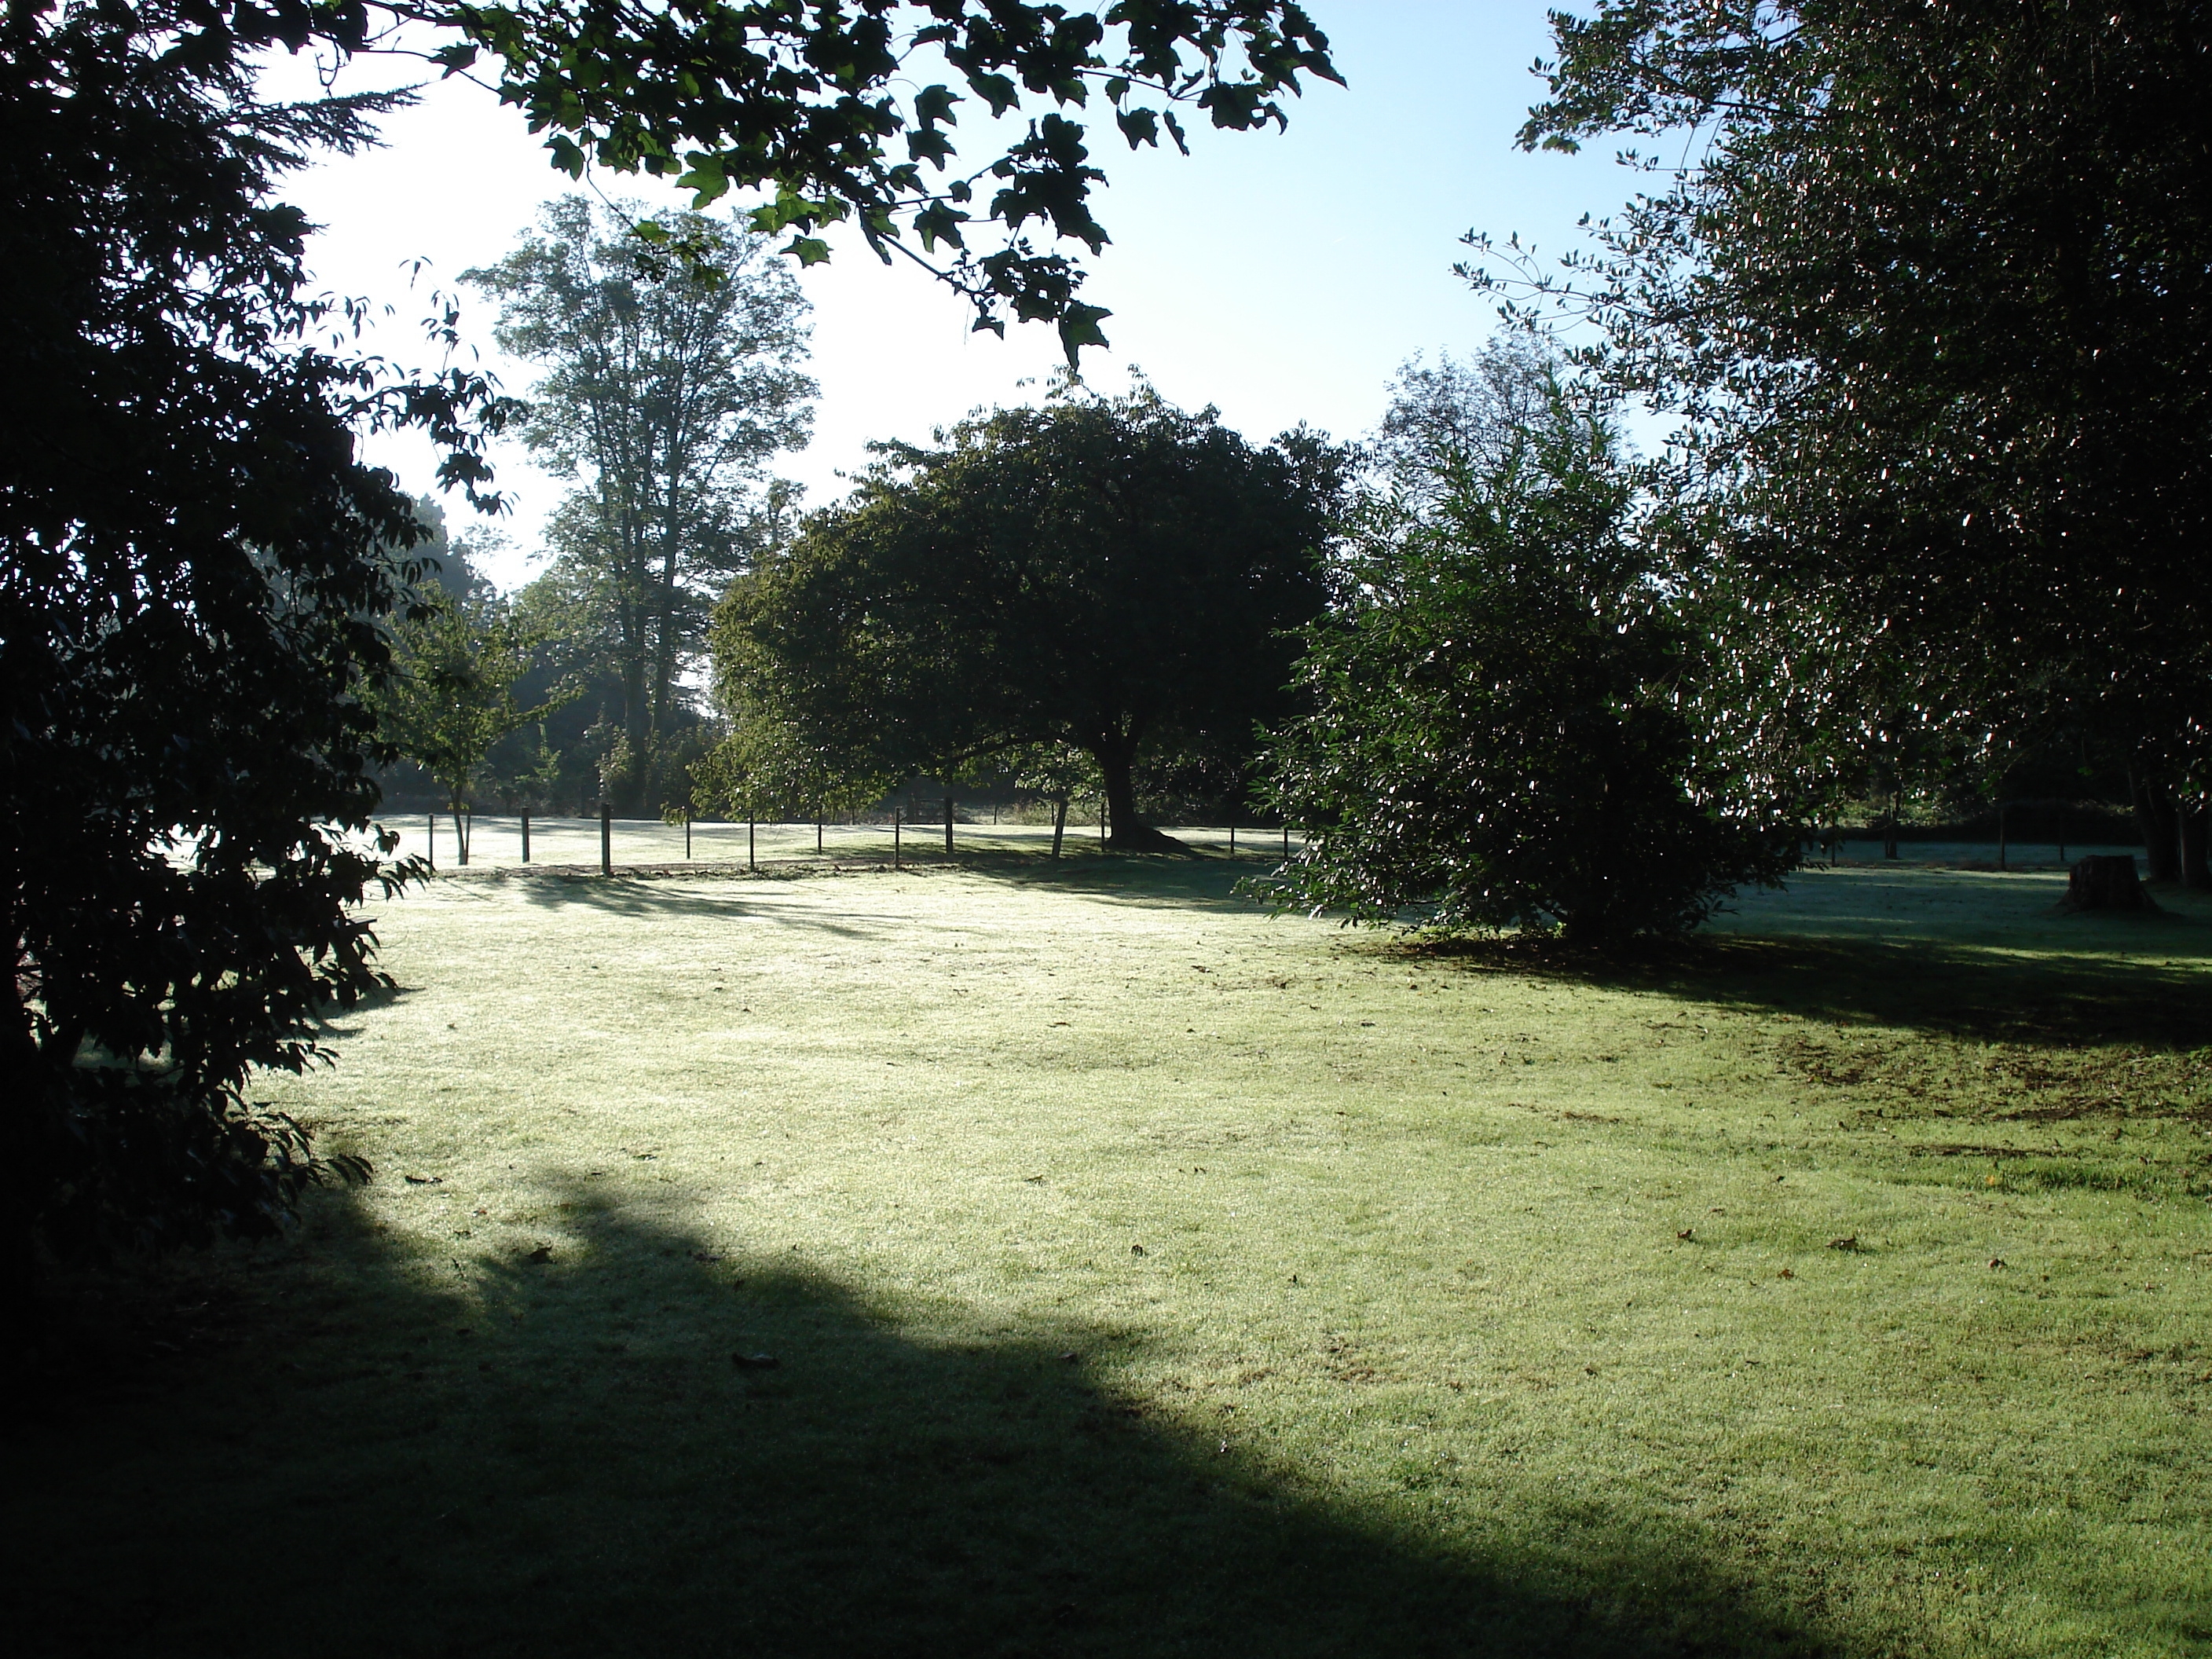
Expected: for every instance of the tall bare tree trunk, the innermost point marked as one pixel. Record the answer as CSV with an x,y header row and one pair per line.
x,y
20,1118
2190,824
2156,818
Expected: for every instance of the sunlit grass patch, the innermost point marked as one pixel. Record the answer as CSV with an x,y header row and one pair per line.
x,y
1142,1275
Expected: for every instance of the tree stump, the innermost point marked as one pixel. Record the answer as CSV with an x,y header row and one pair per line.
x,y
2105,882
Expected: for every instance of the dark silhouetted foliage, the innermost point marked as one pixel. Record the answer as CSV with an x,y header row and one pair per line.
x,y
194,575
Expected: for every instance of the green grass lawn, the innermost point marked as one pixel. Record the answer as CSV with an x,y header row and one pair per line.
x,y
1145,1276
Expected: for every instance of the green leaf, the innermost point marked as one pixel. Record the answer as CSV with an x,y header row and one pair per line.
x,y
1078,327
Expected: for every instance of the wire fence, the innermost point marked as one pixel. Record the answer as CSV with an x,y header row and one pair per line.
x,y
2011,856
610,844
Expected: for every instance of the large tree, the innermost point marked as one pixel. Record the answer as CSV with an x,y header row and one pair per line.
x,y
1510,720
1932,288
194,573
671,381
1114,574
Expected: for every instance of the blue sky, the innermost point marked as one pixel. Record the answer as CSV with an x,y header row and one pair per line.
x,y
1281,276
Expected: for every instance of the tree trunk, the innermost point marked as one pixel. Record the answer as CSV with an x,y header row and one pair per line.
x,y
25,1118
632,558
2106,881
2190,823
1125,831
2155,818
666,646
630,790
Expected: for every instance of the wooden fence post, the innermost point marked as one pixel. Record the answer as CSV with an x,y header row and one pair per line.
x,y
432,841
1059,823
948,826
898,820
752,848
1232,838
2004,842
606,838
1287,840
526,837
687,837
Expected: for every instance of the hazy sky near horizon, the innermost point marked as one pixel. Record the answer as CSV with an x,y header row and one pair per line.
x,y
1281,276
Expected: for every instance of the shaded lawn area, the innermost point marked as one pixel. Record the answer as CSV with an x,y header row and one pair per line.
x,y
1145,1276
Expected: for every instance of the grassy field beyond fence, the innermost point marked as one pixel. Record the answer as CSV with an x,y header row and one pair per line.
x,y
1069,1260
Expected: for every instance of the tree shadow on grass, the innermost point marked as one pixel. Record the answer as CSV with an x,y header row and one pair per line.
x,y
1978,993
1203,880
399,1453
704,895
1155,881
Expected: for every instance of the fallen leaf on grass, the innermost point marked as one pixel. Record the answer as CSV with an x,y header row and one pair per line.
x,y
1850,1242
1997,1261
425,1181
1136,1250
543,1252
1785,1274
1687,1232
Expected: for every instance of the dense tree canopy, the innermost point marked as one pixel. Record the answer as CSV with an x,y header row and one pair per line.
x,y
193,569
1116,574
1507,728
1932,291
